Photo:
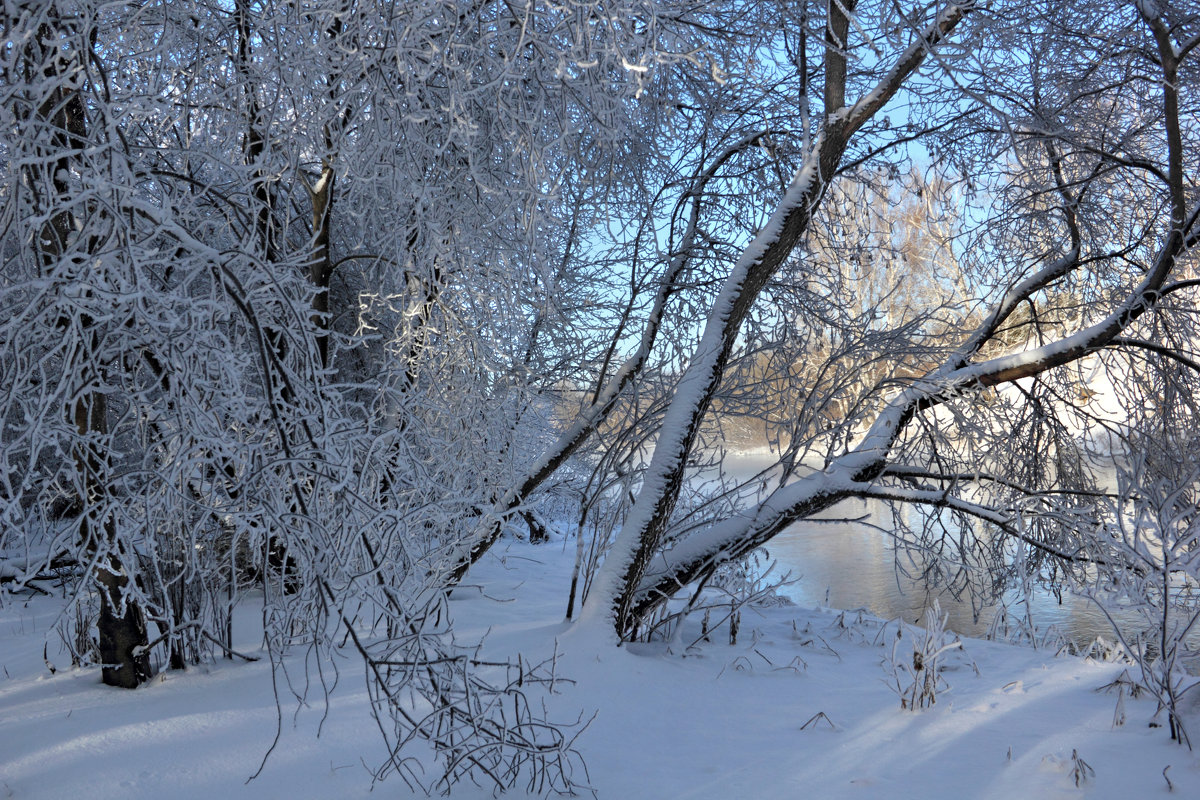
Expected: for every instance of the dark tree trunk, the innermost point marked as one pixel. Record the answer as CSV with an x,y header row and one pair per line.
x,y
124,651
123,643
61,115
321,267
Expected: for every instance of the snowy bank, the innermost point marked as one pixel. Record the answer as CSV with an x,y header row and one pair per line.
x,y
800,706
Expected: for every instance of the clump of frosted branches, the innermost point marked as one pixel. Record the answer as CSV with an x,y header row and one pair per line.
x,y
1151,561
914,668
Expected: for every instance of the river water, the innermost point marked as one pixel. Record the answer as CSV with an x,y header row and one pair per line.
x,y
853,564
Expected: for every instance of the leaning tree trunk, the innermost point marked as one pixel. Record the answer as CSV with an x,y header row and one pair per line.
x,y
637,575
617,586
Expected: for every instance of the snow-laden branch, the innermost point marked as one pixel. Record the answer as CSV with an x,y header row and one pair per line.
x,y
587,421
631,554
850,474
908,63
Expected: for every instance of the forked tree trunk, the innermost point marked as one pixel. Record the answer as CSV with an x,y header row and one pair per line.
x,y
616,591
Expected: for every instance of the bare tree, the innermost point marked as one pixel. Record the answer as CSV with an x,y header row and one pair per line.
x,y
1063,150
319,297
1067,161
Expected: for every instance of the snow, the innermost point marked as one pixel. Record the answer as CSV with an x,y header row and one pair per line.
x,y
713,721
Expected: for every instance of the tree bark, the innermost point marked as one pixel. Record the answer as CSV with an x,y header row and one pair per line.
x,y
321,265
122,627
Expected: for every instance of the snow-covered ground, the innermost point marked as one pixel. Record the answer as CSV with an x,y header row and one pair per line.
x,y
714,721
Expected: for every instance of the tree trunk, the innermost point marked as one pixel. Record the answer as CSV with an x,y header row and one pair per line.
x,y
321,265
122,628
124,653
616,590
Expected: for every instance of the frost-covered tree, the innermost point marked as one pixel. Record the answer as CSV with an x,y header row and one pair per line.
x,y
1063,128
308,302
283,284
